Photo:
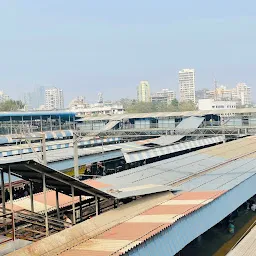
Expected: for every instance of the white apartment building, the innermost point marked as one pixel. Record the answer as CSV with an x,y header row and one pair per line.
x,y
164,96
243,93
187,85
143,92
54,99
211,104
98,109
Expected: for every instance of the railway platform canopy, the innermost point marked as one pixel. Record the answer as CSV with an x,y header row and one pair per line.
x,y
212,180
33,171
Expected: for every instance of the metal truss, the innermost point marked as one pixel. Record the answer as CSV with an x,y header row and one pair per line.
x,y
205,132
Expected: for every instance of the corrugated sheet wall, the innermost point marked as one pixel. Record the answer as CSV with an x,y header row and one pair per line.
x,y
166,123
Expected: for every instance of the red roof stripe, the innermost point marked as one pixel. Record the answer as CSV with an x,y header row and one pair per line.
x,y
171,209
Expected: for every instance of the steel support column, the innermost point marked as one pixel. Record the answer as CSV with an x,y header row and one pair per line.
x,y
3,192
41,123
31,124
69,122
59,122
80,208
11,123
57,204
31,196
44,149
75,145
74,122
11,199
45,206
73,205
22,124
96,205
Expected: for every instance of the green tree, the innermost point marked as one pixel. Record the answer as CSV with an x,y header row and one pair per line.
x,y
187,106
126,102
175,103
151,107
11,105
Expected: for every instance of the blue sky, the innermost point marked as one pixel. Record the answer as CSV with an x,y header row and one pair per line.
x,y
86,47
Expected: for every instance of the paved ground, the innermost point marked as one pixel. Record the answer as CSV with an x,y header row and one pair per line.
x,y
212,241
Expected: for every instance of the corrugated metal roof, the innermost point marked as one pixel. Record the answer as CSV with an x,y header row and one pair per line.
x,y
135,230
191,122
171,240
12,138
223,178
246,247
38,113
32,171
86,159
24,203
59,242
150,153
168,226
176,171
7,151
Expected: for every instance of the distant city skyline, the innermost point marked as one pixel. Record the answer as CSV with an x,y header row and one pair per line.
x,y
87,47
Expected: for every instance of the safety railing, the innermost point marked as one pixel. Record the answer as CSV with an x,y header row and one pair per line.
x,y
27,225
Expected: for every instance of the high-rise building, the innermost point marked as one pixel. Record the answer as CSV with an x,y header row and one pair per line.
x,y
39,94
187,85
143,92
164,96
34,99
243,93
54,98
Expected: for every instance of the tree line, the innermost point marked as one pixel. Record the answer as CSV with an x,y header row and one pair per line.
x,y
132,106
11,105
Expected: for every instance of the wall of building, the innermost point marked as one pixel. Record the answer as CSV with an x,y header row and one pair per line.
x,y
142,124
166,123
210,104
